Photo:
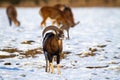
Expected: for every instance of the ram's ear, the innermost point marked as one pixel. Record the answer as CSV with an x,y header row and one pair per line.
x,y
54,28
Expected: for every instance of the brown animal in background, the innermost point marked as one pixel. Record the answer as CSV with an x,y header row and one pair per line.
x,y
54,14
64,16
69,16
12,15
68,13
52,46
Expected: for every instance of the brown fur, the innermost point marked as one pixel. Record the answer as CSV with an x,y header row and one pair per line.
x,y
52,46
61,14
69,16
12,15
68,13
53,13
59,6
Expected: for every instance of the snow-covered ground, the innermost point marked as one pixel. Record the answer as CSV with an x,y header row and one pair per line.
x,y
99,30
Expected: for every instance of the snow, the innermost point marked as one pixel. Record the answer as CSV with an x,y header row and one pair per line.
x,y
98,26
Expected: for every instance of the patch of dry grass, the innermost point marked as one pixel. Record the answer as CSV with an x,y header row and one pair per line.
x,y
28,53
64,54
32,52
7,56
27,42
10,50
92,67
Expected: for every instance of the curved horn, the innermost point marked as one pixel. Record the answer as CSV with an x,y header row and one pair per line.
x,y
50,28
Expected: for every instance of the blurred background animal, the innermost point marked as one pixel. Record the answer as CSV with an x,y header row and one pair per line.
x,y
54,14
12,15
60,14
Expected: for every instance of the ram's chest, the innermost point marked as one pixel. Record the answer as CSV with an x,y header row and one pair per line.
x,y
60,45
59,42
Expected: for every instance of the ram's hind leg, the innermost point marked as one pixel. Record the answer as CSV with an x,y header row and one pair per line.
x,y
58,64
48,68
58,67
46,58
52,67
51,64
